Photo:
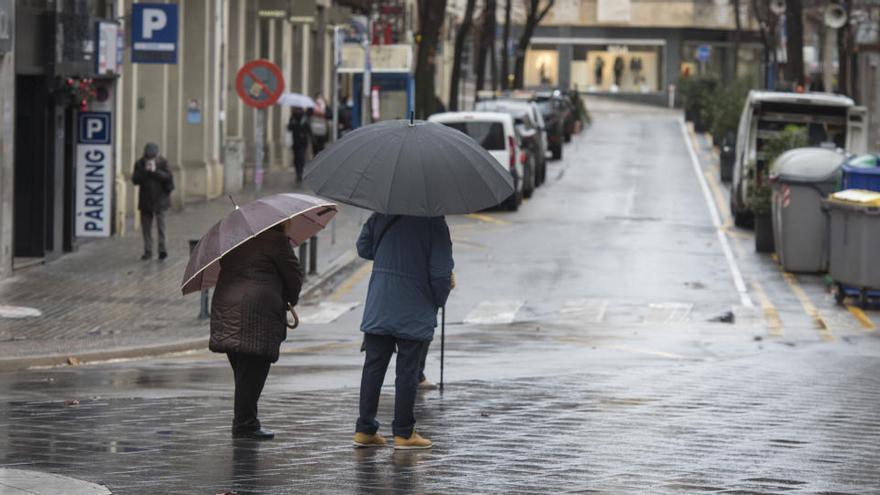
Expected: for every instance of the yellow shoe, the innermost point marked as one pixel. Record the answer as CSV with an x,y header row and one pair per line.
x,y
365,440
415,441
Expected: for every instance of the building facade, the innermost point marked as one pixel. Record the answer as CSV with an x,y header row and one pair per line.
x,y
80,100
638,49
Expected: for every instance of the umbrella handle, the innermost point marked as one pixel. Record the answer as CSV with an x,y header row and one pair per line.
x,y
295,317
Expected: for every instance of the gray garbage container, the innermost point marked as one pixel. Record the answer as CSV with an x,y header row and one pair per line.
x,y
801,179
855,238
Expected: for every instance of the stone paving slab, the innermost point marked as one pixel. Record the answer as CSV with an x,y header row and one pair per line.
x,y
24,482
103,297
780,422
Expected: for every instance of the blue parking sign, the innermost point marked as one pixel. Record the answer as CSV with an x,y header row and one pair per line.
x,y
94,128
154,33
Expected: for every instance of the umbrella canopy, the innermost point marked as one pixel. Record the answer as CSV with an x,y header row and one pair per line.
x,y
404,167
302,215
295,100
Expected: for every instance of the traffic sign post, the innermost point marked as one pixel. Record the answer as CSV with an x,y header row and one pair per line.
x,y
259,84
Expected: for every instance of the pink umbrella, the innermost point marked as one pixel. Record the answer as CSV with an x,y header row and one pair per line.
x,y
303,216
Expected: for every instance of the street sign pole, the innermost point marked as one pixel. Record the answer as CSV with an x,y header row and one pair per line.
x,y
259,84
258,150
366,108
335,94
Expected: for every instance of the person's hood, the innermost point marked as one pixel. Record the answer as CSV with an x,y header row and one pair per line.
x,y
151,150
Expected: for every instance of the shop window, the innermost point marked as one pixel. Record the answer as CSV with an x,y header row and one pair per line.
x,y
542,68
617,68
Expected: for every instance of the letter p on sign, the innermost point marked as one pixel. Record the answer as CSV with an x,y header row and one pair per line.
x,y
154,20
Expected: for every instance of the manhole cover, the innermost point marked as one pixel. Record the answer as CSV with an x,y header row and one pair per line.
x,y
18,312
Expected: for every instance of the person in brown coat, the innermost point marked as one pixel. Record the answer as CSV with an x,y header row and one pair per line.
x,y
248,318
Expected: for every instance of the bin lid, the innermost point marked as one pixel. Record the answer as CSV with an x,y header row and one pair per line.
x,y
858,197
811,165
863,161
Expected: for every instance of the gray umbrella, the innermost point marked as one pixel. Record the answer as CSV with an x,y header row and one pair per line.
x,y
405,167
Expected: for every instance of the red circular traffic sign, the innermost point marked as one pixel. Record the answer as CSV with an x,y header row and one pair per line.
x,y
259,83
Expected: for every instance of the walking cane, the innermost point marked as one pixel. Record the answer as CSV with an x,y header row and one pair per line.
x,y
442,343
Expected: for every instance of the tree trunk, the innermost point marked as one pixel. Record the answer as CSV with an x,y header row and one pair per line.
x,y
487,42
505,41
534,16
737,35
431,14
794,31
460,38
521,47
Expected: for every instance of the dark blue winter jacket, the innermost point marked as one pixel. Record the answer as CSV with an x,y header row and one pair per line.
x,y
412,271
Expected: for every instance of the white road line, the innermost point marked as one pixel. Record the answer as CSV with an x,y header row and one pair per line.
x,y
735,272
497,312
668,312
324,312
593,309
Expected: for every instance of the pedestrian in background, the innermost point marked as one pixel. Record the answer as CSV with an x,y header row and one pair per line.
x,y
411,280
249,321
153,175
318,124
298,125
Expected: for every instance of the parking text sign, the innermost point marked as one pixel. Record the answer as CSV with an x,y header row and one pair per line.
x,y
94,174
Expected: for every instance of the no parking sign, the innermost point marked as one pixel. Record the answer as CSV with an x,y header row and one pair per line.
x,y
259,83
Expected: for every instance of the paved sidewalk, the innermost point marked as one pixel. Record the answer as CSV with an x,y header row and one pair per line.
x,y
781,421
103,299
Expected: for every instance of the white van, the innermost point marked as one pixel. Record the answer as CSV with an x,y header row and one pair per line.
x,y
496,133
831,121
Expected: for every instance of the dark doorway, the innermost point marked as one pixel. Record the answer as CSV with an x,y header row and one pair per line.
x,y
33,170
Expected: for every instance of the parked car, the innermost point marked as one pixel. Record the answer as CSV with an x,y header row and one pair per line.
x,y
495,131
555,113
829,120
527,115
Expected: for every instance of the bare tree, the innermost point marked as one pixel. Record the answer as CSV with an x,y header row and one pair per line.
x,y
505,43
431,13
487,43
534,15
794,51
460,38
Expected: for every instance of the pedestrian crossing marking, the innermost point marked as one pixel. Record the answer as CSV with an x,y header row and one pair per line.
x,y
590,307
668,312
496,312
325,312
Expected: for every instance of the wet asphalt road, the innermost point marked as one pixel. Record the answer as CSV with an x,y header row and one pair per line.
x,y
580,358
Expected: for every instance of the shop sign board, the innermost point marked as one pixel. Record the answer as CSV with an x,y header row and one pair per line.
x,y
110,45
383,58
94,174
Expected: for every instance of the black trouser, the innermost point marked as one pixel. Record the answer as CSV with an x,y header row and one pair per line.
x,y
424,356
147,229
299,161
379,350
250,375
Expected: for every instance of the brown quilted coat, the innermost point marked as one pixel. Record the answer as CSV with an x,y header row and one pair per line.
x,y
257,280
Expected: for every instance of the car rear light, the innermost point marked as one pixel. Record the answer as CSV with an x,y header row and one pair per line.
x,y
512,152
522,157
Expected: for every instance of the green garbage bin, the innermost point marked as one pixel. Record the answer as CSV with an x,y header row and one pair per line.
x,y
801,179
855,238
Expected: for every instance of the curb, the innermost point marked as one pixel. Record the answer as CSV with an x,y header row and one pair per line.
x,y
314,287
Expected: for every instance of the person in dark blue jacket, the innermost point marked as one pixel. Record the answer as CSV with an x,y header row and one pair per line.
x,y
411,280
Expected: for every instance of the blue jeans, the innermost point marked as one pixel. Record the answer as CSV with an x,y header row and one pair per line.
x,y
379,349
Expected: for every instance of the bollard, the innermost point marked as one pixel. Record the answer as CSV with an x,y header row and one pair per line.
x,y
303,258
204,308
313,255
